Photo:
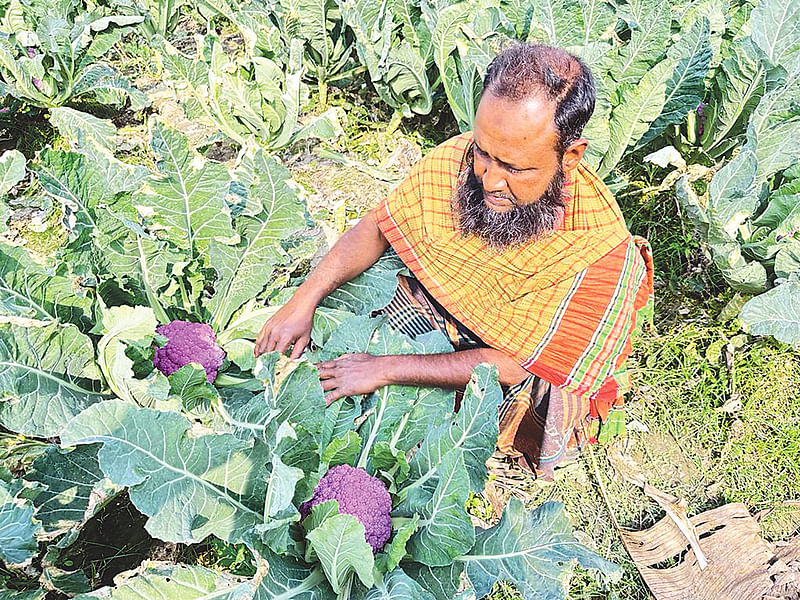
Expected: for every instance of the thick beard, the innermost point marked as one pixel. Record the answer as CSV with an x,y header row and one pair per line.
x,y
522,224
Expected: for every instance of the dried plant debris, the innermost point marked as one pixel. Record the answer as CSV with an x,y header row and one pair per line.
x,y
741,565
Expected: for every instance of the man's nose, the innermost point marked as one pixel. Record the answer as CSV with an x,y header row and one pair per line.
x,y
494,179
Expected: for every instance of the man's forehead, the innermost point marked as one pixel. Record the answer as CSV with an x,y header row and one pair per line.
x,y
510,127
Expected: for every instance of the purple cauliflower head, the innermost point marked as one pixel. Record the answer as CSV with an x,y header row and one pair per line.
x,y
188,342
359,494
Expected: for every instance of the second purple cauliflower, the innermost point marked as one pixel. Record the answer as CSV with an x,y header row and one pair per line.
x,y
188,342
359,494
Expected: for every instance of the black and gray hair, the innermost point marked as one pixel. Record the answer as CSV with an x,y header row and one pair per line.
x,y
523,71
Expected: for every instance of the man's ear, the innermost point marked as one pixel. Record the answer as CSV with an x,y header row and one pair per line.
x,y
574,153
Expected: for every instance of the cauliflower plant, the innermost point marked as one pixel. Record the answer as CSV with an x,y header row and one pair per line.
x,y
188,342
359,494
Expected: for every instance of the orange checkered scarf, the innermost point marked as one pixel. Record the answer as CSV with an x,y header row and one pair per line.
x,y
563,306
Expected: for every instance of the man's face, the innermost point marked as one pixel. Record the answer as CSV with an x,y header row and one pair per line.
x,y
514,190
515,156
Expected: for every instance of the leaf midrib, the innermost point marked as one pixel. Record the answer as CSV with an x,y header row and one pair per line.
x,y
166,465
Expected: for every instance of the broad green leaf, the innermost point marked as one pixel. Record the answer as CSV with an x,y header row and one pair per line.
x,y
261,415
534,550
787,260
782,208
140,263
319,513
443,582
299,449
326,321
775,28
732,201
70,179
354,335
597,130
68,583
340,418
12,170
446,530
184,70
245,268
445,35
650,23
247,324
639,106
430,406
398,586
775,313
244,413
240,353
82,184
392,402
598,17
109,86
520,13
172,582
22,595
732,193
396,550
5,214
47,376
121,324
408,89
721,17
571,23
413,27
280,487
302,382
370,291
85,130
30,290
287,579
342,550
188,197
473,430
18,527
74,487
775,122
402,415
191,385
310,18
189,486
390,462
738,85
691,56
342,450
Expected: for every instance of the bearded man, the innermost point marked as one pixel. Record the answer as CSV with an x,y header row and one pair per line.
x,y
519,254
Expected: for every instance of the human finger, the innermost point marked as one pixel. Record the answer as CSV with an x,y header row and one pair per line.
x,y
328,384
284,343
261,340
333,395
299,346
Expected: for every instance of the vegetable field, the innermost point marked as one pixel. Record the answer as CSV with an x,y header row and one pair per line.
x,y
170,170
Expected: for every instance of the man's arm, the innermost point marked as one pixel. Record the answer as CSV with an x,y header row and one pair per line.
x,y
354,374
351,255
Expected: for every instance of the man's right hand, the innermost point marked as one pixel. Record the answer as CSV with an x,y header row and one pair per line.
x,y
351,255
290,327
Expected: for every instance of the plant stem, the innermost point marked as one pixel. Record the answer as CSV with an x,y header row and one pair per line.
x,y
344,593
350,73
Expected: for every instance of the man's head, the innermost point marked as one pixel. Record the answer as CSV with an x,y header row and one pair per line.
x,y
536,101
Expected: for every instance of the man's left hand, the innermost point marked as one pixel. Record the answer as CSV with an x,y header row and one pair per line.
x,y
352,375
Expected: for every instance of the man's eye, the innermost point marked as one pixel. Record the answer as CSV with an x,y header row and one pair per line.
x,y
513,170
